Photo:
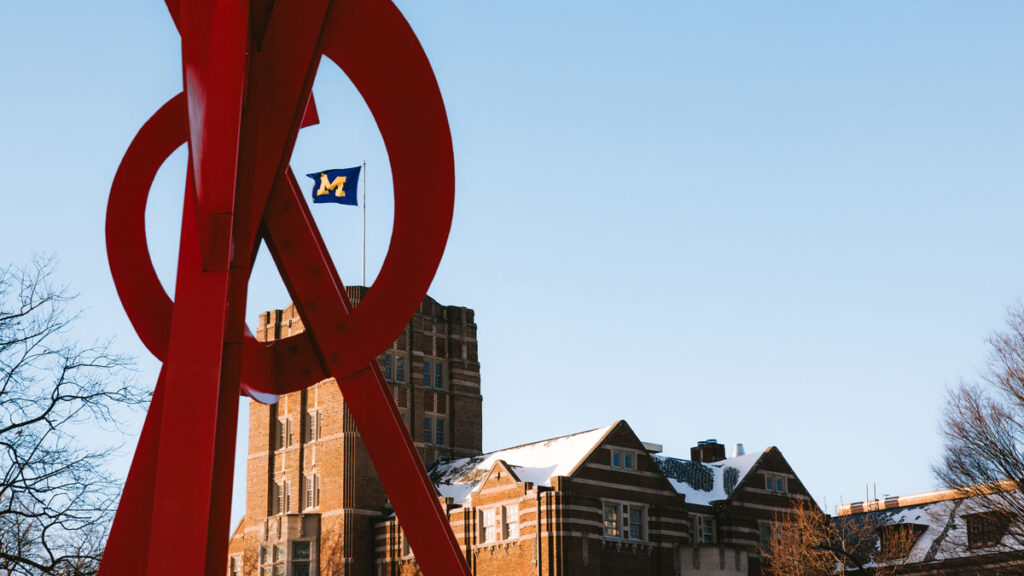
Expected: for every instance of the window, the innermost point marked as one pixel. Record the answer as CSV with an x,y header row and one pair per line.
x,y
623,459
487,526
312,492
386,368
702,529
897,540
426,374
611,519
427,430
271,560
627,521
764,530
405,544
312,425
284,433
438,376
439,431
399,369
281,501
637,527
234,566
300,558
775,483
511,523
279,430
985,529
499,523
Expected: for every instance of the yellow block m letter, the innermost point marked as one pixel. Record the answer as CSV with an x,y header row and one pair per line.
x,y
338,185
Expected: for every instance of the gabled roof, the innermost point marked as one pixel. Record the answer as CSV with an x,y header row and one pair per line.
x,y
703,483
538,463
942,514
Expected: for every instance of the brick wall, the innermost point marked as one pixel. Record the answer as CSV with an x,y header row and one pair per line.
x,y
351,499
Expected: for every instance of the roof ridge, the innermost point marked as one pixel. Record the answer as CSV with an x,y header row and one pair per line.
x,y
485,454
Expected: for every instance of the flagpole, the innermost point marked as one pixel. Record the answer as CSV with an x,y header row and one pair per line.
x,y
364,223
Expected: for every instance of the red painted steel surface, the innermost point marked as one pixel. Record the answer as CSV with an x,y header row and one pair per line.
x,y
248,69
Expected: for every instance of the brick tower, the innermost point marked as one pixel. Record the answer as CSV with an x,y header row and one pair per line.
x,y
312,495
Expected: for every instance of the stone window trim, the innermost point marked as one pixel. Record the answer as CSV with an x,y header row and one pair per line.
x,y
624,521
272,559
301,557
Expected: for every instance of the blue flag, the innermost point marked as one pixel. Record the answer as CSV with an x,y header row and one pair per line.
x,y
338,186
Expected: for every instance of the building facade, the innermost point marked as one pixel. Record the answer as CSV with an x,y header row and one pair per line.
x,y
602,502
599,502
941,533
312,496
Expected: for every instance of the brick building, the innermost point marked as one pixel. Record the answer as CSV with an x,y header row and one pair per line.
x,y
949,533
312,495
599,502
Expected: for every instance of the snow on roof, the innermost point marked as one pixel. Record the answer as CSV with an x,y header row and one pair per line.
x,y
705,482
945,536
537,463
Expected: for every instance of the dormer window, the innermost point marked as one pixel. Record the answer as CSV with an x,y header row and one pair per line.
x,y
896,540
985,529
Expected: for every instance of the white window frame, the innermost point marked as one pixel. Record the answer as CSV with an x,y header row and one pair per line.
x,y
776,483
499,523
612,522
700,527
621,456
510,521
623,528
489,520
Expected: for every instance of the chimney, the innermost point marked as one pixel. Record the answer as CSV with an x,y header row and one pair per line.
x,y
737,450
707,451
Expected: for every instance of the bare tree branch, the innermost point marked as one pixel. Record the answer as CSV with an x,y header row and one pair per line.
x,y
983,430
56,498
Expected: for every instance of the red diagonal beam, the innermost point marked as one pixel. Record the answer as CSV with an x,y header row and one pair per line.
x,y
323,304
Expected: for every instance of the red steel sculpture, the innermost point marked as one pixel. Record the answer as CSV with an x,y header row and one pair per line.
x,y
248,68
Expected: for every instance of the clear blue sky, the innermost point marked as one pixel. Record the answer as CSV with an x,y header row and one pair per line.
x,y
785,223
